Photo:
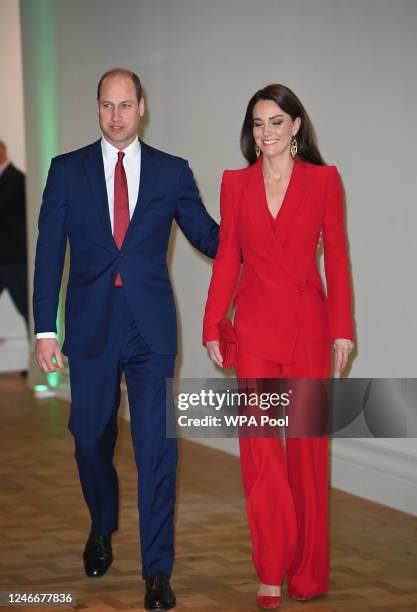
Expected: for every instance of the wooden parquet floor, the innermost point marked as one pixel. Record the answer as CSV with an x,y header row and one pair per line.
x,y
43,526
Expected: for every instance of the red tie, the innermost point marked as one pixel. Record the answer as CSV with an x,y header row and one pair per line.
x,y
121,207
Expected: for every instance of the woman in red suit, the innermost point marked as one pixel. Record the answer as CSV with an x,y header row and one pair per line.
x,y
272,214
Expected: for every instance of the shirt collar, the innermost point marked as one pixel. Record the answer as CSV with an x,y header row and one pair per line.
x,y
110,152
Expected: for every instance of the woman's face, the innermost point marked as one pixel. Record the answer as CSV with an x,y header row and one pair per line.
x,y
273,129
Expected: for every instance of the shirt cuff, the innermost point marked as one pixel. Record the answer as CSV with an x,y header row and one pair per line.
x,y
46,335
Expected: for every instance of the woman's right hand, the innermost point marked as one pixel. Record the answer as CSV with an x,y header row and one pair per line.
x,y
213,349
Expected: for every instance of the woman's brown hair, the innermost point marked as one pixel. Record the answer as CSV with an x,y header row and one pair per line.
x,y
290,104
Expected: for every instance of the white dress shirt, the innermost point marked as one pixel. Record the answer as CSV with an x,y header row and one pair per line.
x,y
131,163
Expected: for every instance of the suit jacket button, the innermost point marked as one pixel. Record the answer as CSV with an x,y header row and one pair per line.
x,y
122,254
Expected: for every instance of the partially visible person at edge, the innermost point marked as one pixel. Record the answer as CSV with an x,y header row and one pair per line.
x,y
273,213
13,249
115,200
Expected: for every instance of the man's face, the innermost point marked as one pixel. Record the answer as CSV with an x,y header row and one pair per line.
x,y
119,111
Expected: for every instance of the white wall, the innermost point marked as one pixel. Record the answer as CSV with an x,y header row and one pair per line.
x,y
13,336
11,102
352,63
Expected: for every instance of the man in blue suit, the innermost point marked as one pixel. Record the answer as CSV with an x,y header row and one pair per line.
x,y
115,201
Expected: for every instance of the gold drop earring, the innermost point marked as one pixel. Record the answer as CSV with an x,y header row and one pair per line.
x,y
257,151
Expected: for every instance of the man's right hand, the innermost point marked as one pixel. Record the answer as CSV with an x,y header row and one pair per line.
x,y
45,350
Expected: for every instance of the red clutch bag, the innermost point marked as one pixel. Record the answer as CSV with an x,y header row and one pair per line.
x,y
228,343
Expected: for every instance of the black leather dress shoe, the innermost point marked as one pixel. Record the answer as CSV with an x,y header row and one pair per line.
x,y
98,555
159,595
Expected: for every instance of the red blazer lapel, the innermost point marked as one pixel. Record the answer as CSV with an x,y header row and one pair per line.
x,y
260,217
293,201
256,202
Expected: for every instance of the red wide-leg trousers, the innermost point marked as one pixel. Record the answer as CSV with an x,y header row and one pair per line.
x,y
286,486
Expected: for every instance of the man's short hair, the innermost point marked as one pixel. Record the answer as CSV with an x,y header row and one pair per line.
x,y
123,72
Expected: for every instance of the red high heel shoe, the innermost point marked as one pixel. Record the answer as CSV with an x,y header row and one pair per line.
x,y
268,602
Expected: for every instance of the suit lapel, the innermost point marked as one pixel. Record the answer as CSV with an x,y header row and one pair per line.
x,y
291,204
93,164
148,189
94,168
258,207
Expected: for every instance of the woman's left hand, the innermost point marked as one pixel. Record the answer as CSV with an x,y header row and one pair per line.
x,y
343,347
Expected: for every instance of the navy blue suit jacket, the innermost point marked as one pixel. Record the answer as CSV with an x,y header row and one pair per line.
x,y
75,206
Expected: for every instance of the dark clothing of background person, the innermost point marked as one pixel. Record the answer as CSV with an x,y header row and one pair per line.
x,y
13,249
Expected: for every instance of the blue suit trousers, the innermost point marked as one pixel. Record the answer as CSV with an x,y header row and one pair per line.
x,y
95,391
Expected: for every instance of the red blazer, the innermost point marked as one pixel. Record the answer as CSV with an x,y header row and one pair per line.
x,y
279,294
